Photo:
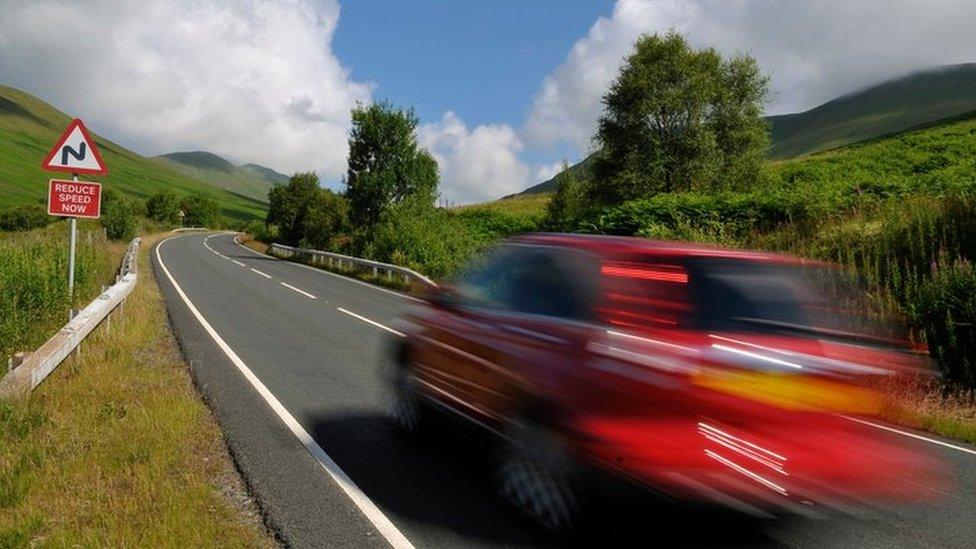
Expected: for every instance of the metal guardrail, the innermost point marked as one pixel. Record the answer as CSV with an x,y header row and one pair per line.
x,y
332,260
39,364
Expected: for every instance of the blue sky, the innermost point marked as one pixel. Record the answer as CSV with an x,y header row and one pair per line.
x,y
483,60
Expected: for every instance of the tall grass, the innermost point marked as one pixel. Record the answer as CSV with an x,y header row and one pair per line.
x,y
34,281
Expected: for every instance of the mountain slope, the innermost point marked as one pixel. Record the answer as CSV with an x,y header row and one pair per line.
x,y
886,108
914,100
250,180
29,127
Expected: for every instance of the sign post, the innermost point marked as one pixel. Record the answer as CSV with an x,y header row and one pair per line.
x,y
75,152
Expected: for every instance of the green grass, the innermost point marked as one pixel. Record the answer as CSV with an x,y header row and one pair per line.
x,y
116,449
34,285
529,205
29,128
251,180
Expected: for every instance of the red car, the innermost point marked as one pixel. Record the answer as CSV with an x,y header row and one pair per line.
x,y
708,374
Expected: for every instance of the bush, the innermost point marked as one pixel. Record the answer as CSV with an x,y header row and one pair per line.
x,y
164,207
119,216
421,237
946,311
200,211
24,217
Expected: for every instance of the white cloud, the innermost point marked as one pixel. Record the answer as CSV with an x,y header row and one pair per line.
x,y
813,51
253,80
476,164
546,172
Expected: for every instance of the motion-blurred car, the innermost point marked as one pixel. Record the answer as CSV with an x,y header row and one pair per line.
x,y
707,374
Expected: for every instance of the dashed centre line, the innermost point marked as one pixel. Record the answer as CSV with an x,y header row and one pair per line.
x,y
303,292
238,263
371,322
265,275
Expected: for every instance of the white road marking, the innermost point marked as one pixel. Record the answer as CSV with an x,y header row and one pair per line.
x,y
303,292
238,263
912,435
373,322
336,275
388,530
265,275
206,244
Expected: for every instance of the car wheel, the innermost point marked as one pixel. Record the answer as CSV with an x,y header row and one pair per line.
x,y
537,476
405,406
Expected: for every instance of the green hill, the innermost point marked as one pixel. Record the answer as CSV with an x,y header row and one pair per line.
x,y
29,127
890,107
916,100
250,180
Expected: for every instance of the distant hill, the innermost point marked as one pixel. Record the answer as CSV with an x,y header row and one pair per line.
x,y
250,180
29,127
915,100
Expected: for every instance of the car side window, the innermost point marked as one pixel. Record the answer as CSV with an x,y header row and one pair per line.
x,y
484,282
543,283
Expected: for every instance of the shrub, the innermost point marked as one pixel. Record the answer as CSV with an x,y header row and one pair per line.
x,y
119,216
24,217
945,309
163,207
200,211
423,238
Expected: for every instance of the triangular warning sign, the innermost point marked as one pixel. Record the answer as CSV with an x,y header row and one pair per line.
x,y
75,152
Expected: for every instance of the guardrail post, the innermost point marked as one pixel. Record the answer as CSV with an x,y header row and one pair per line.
x,y
375,275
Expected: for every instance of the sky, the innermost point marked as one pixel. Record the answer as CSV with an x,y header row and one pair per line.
x,y
505,90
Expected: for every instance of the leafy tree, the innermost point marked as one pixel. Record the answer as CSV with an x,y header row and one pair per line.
x,y
118,216
289,206
568,204
679,119
164,207
200,211
326,220
386,166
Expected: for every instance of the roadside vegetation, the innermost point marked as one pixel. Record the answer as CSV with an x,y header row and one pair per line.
x,y
116,448
34,283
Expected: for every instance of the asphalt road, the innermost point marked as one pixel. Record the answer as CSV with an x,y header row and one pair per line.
x,y
290,359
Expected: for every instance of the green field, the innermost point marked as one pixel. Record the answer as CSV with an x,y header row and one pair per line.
x,y
29,128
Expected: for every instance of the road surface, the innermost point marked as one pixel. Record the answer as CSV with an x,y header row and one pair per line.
x,y
290,360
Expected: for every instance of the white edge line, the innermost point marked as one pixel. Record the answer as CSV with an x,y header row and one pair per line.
x,y
330,273
360,499
265,275
911,435
373,322
303,292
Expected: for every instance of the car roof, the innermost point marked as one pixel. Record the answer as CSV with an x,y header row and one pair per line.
x,y
609,246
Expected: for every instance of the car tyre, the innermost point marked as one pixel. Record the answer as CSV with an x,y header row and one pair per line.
x,y
535,474
406,407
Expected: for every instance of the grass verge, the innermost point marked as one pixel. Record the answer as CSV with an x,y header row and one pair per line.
x,y
950,415
117,449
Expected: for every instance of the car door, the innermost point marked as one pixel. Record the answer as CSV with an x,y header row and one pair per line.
x,y
537,330
446,359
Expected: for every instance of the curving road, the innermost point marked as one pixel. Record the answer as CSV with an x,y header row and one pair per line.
x,y
290,359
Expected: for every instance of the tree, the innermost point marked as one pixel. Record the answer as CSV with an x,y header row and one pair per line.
x,y
567,204
678,118
289,205
200,211
326,220
163,207
386,166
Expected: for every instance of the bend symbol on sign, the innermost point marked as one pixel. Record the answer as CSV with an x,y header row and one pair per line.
x,y
75,152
